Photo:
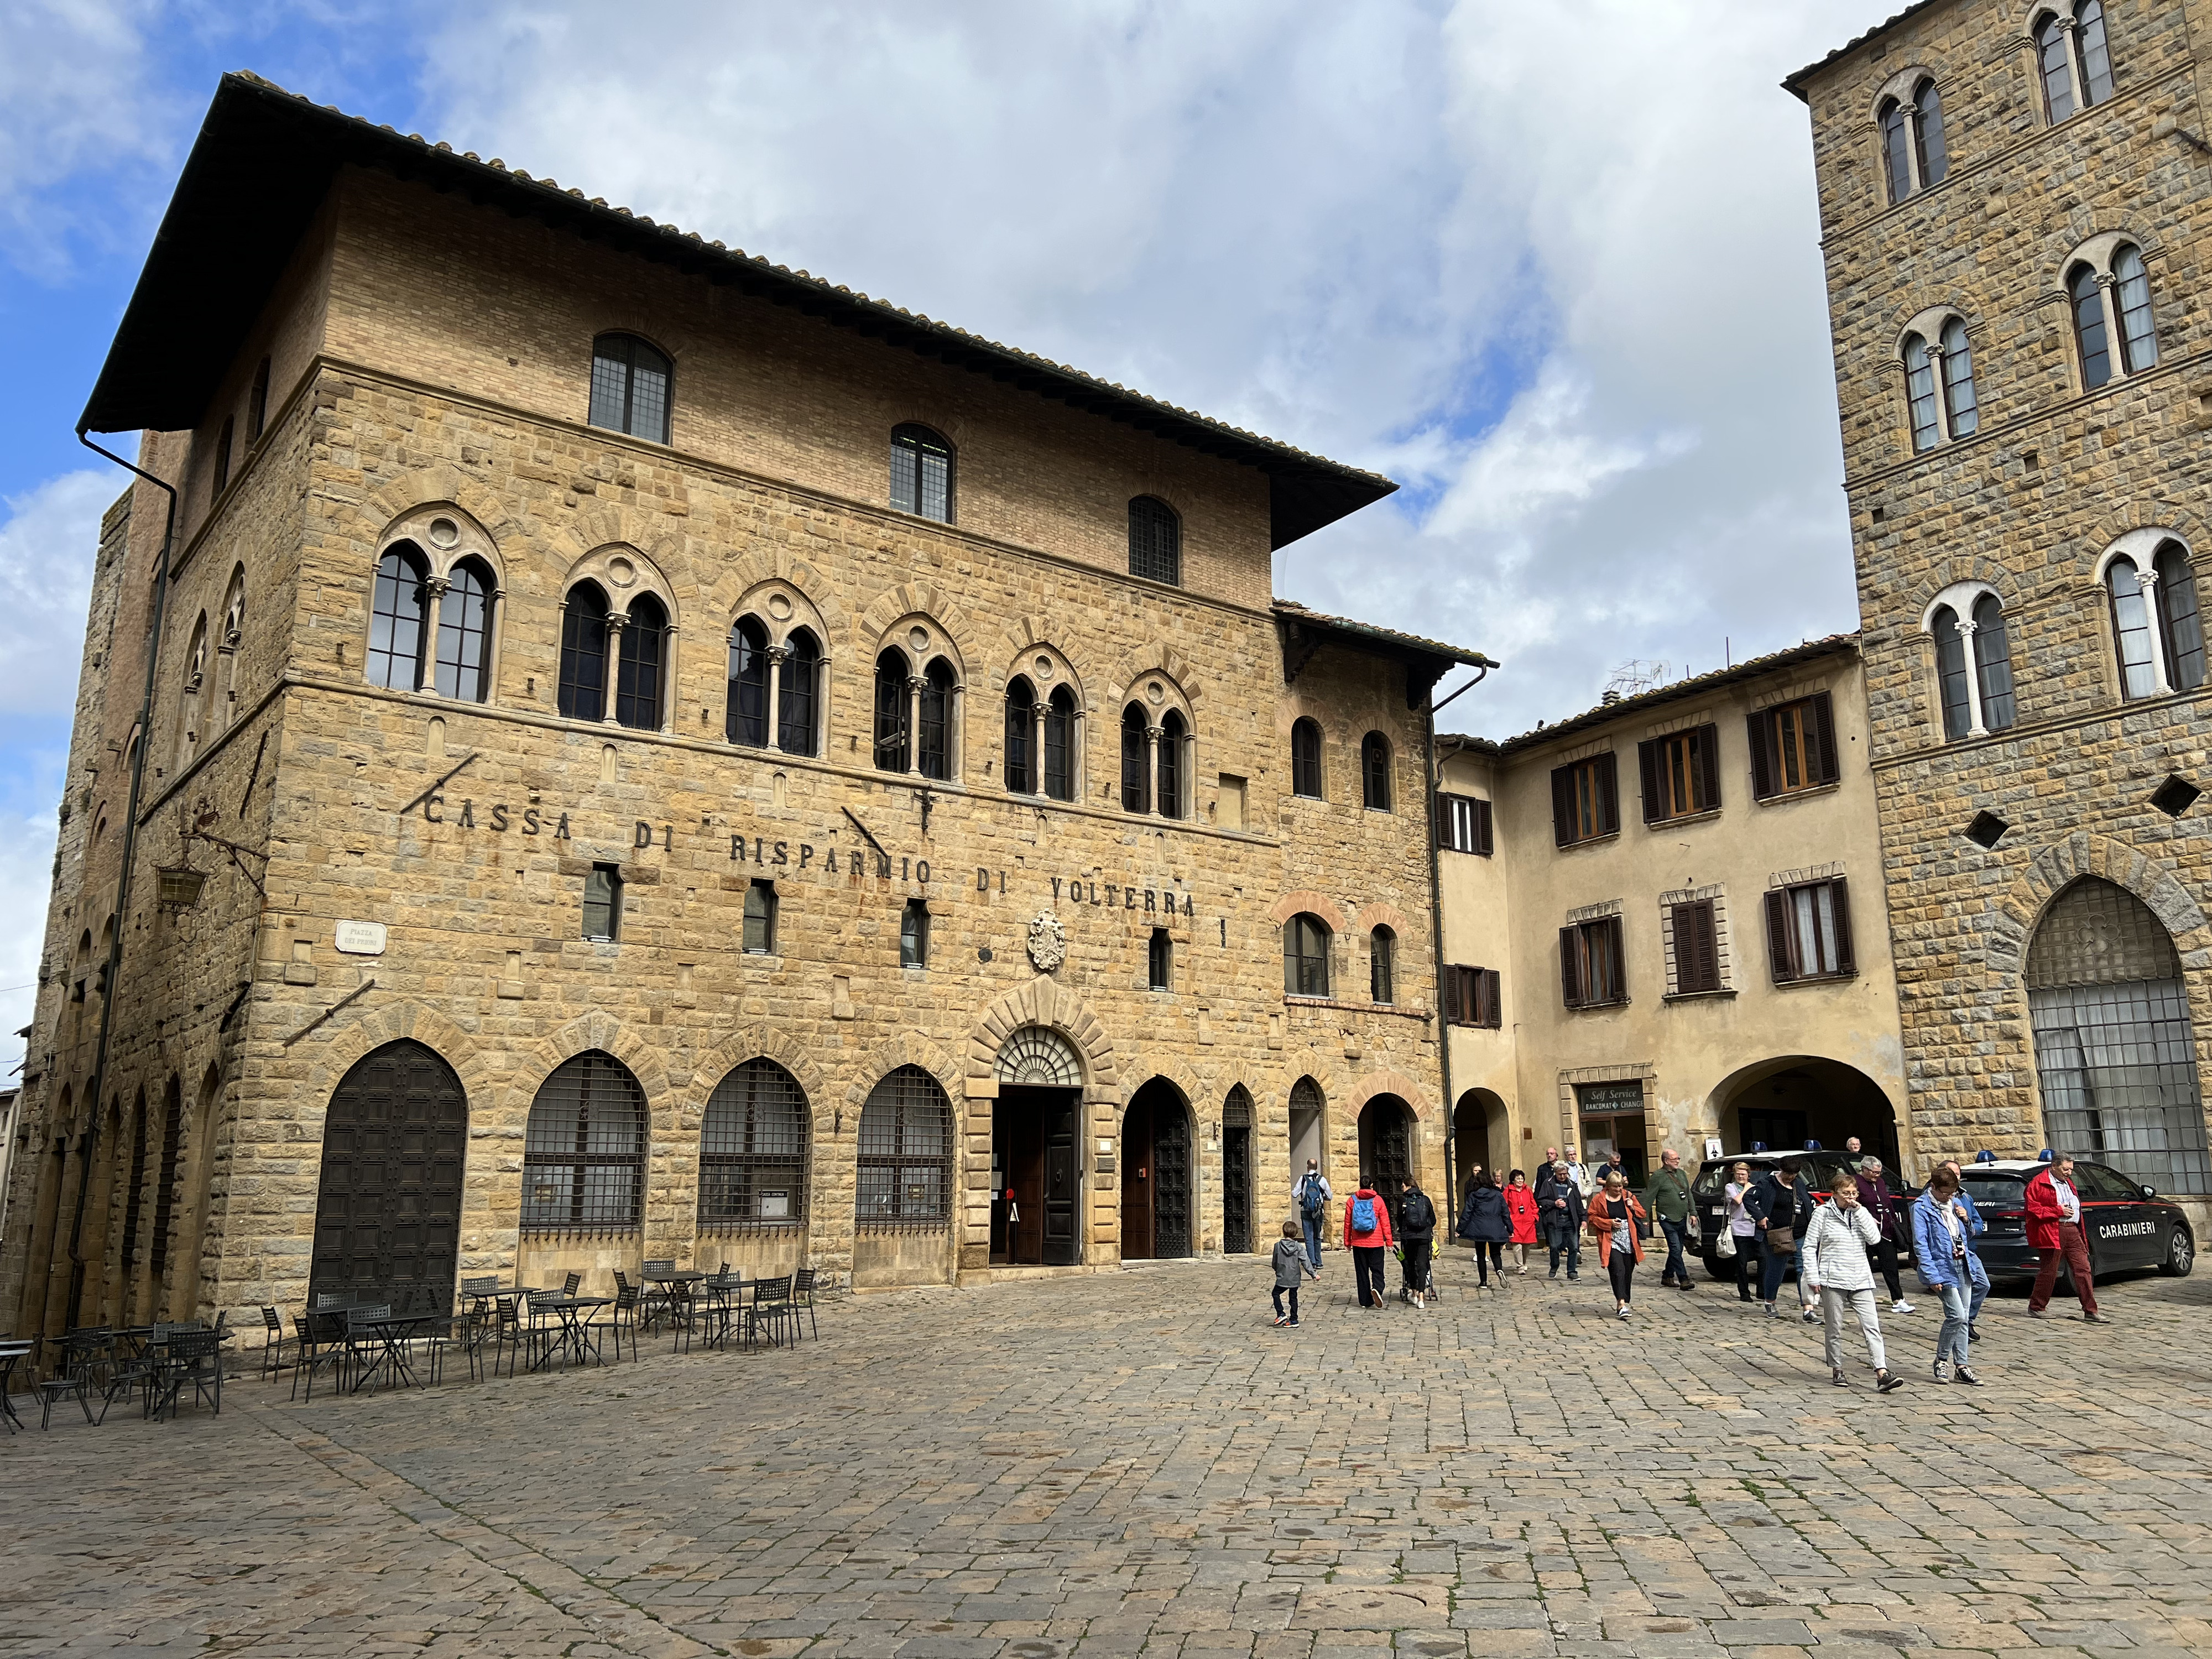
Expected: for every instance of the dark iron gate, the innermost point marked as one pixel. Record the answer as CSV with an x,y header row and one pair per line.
x,y
1236,1173
1386,1149
388,1210
1170,1181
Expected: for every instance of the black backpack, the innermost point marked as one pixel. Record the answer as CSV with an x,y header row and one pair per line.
x,y
1418,1214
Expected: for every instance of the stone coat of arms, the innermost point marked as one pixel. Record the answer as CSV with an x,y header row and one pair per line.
x,y
1047,943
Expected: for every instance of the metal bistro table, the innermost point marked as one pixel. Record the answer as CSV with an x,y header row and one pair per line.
x,y
574,1314
392,1333
10,1352
669,1280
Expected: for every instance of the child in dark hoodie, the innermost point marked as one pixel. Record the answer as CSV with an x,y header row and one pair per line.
x,y
1290,1264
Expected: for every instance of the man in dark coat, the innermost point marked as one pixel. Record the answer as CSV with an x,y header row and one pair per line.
x,y
1417,1233
1560,1212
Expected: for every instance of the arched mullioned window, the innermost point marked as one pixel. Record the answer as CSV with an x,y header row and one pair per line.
x,y
1973,668
1914,154
397,618
1021,736
630,384
1136,762
644,649
2114,329
1173,789
2181,628
746,722
1155,540
921,473
2158,632
933,729
1059,730
583,691
752,1150
2073,59
799,695
1939,383
1305,956
583,1157
1305,758
464,666
892,711
1374,771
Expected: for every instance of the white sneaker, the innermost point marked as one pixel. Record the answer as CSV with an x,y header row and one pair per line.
x,y
1900,1306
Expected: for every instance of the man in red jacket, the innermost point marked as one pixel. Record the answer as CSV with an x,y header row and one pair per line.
x,y
1367,1243
2054,1232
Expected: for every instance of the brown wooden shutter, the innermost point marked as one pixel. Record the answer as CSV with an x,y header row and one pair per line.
x,y
1780,946
1483,842
1845,963
1824,722
1647,767
1439,810
1607,781
1760,729
1697,957
1493,999
1571,982
1617,958
1708,741
1563,806
1455,1011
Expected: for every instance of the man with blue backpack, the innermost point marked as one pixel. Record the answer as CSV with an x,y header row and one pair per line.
x,y
1312,1197
1367,1235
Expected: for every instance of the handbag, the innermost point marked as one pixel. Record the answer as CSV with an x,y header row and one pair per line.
x,y
1724,1246
1782,1241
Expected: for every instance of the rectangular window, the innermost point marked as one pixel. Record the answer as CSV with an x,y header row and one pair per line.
x,y
1463,824
1591,972
1681,774
760,919
1697,947
223,457
256,404
1232,813
1472,996
603,902
1585,800
1793,747
1809,932
914,935
1160,960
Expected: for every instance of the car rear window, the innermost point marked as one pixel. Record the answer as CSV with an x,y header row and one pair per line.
x,y
1994,1192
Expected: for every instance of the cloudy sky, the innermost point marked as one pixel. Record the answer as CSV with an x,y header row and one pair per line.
x,y
1552,266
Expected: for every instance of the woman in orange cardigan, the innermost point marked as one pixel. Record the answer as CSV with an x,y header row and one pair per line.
x,y
1616,1220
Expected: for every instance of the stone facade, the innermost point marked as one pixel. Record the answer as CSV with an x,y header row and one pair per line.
x,y
428,361
2026,508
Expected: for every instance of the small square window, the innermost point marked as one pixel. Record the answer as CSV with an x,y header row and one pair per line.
x,y
603,904
2175,796
760,919
914,935
1987,829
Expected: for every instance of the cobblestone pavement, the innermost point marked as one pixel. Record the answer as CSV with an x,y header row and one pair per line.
x,y
1135,1462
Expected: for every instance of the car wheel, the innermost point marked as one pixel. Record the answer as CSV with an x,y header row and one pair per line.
x,y
2180,1253
1723,1267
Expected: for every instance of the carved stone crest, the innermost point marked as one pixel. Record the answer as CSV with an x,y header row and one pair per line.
x,y
1047,943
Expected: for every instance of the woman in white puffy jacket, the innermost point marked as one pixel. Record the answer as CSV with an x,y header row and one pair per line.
x,y
1833,1262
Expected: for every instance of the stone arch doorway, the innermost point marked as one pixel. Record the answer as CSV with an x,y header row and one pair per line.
x,y
1386,1143
1791,1099
1037,1152
2114,1052
1480,1135
1309,1127
1236,1222
388,1207
1158,1212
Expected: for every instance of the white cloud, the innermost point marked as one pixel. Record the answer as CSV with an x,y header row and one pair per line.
x,y
47,546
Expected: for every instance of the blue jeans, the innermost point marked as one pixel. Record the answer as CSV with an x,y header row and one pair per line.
x,y
1773,1264
1951,1341
1981,1290
1572,1244
1678,1239
1313,1241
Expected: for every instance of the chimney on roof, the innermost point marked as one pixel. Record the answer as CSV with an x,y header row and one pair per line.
x,y
1610,698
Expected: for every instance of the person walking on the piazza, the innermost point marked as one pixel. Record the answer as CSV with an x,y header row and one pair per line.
x,y
1580,1174
1743,1231
1311,1195
1291,1266
1616,1220
1878,1201
1563,1211
1367,1235
1668,1195
1943,1249
1521,1211
1782,1204
1488,1224
1975,1228
1417,1223
1833,1262
2054,1232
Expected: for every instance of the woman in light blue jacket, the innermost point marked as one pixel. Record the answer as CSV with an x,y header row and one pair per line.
x,y
1943,1252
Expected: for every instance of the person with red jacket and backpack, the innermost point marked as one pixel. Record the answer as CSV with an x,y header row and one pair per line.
x,y
1367,1235
2054,1232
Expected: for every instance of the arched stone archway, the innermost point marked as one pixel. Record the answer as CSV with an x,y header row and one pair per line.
x,y
1159,1208
1791,1100
388,1203
1386,1151
1481,1135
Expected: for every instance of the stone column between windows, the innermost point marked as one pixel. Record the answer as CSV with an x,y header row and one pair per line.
x,y
2108,286
914,684
495,614
955,725
226,654
666,690
1038,711
1077,779
611,679
772,737
1975,727
2148,579
433,607
1153,767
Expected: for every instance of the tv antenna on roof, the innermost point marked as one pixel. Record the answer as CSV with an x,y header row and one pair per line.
x,y
1634,678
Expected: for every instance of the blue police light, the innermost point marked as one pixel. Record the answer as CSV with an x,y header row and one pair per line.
x,y
1758,1145
1812,1146
1985,1156
2043,1157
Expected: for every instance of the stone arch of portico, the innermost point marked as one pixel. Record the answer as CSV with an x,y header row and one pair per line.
x,y
600,1030
1306,899
2052,869
896,605
885,1058
391,1023
1163,659
712,1068
1388,1082
1044,1001
395,497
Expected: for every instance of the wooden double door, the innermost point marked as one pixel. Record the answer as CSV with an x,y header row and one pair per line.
x,y
1156,1212
388,1208
1037,1178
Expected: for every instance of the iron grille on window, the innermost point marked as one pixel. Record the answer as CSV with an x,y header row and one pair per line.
x,y
1155,541
583,1166
904,1174
921,473
629,387
752,1150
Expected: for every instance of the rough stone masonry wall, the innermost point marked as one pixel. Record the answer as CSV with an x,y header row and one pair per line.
x,y
2028,505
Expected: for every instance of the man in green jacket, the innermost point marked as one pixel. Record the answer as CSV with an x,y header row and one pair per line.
x,y
1669,1198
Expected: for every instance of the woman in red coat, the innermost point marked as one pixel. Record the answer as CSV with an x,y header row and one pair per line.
x,y
1521,1209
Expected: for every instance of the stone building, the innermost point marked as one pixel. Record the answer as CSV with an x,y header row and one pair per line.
x,y
651,754
1664,924
2015,199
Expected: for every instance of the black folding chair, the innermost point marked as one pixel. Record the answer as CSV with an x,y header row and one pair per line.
x,y
87,1364
321,1347
621,1317
272,1345
194,1357
770,1306
802,1301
